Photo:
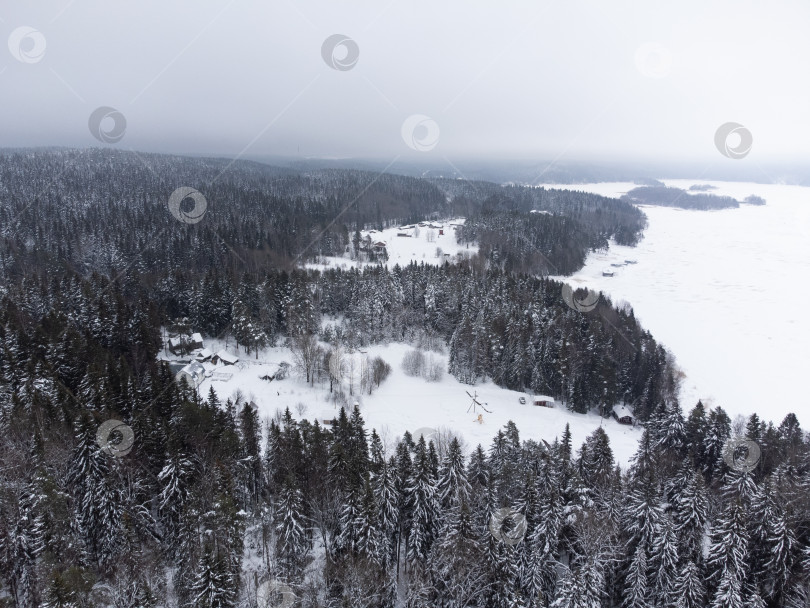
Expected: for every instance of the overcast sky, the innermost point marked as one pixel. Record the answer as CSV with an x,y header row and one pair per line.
x,y
573,80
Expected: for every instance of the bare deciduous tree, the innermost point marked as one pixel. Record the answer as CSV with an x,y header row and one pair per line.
x,y
306,353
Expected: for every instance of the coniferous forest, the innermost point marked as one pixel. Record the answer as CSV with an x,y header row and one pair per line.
x,y
215,507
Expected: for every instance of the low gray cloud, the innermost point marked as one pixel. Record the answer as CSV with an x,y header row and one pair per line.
x,y
582,80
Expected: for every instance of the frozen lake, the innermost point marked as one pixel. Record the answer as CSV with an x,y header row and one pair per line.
x,y
726,291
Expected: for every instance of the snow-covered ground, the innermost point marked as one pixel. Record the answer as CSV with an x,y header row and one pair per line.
x,y
409,403
420,245
726,291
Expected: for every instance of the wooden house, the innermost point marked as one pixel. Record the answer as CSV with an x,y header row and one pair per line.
x,y
543,401
202,354
225,358
623,415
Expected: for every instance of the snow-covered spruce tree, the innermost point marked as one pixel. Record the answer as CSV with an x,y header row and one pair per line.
x,y
726,564
423,505
455,563
211,587
21,542
596,463
540,573
774,547
689,588
96,497
691,516
402,478
718,430
368,543
174,478
637,584
251,474
385,492
292,542
663,562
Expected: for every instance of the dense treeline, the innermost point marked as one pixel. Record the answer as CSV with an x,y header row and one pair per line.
x,y
107,211
514,330
676,197
202,512
538,230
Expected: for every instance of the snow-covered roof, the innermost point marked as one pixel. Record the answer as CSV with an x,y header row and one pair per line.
x,y
227,357
622,410
203,354
174,342
196,338
195,370
543,398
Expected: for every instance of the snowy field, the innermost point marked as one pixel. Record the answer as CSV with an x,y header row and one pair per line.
x,y
726,291
420,245
409,403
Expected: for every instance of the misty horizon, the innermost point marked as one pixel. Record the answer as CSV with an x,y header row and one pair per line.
x,y
413,84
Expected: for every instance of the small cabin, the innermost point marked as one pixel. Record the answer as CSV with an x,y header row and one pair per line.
x,y
202,354
543,401
608,272
379,247
196,341
624,415
441,231
225,358
192,374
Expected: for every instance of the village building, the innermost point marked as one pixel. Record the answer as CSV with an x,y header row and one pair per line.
x,y
192,374
623,414
543,401
225,358
202,354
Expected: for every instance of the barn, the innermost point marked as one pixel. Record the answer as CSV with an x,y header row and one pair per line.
x,y
192,374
